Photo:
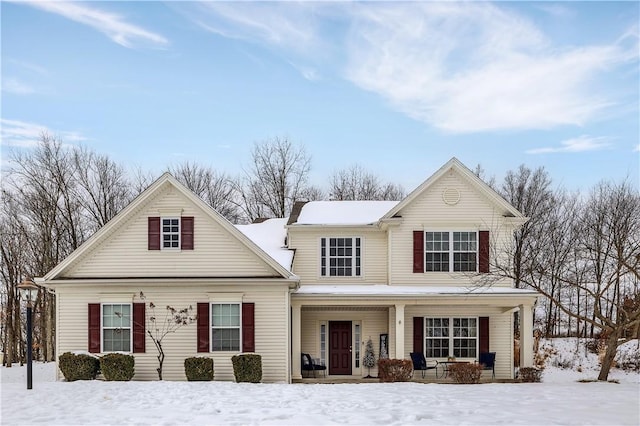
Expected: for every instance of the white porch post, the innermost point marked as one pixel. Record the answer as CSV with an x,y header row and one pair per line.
x,y
399,322
526,336
296,348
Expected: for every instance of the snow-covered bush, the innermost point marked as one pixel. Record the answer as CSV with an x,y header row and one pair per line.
x,y
530,374
395,370
117,367
247,368
78,367
198,369
466,373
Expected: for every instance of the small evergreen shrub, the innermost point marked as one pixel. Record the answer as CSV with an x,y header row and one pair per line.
x,y
395,370
247,368
78,367
198,369
117,367
530,374
465,373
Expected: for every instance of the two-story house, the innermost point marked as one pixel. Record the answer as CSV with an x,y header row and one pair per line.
x,y
409,275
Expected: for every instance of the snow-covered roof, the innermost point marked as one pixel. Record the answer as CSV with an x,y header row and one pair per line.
x,y
392,290
270,236
343,212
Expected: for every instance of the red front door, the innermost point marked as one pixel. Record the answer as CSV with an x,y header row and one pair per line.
x,y
340,347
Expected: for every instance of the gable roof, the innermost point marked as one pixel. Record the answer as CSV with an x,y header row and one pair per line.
x,y
148,194
469,176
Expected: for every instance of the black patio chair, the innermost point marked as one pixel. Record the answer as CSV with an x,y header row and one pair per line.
x,y
488,361
421,363
309,365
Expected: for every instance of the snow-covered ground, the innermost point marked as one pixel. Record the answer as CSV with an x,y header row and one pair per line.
x,y
560,399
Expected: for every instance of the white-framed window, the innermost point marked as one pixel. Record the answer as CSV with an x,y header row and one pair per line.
x,y
225,327
170,233
340,257
116,327
323,342
456,337
451,251
356,344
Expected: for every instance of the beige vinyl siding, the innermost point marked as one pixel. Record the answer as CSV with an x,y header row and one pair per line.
x,y
271,326
500,330
373,323
473,212
125,253
306,263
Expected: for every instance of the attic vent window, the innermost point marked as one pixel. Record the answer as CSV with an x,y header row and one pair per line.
x,y
451,196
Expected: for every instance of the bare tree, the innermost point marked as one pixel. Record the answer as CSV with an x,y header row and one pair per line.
x,y
158,328
215,188
594,258
530,192
103,188
355,183
276,179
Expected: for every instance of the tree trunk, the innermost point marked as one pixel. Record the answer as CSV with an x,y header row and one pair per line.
x,y
609,356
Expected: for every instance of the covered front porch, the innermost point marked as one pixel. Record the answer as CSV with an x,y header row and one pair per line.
x,y
334,329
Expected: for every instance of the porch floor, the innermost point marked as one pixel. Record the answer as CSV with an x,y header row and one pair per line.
x,y
416,379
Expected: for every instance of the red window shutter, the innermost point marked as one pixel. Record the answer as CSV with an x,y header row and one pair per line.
x,y
248,327
139,324
483,264
418,252
94,327
154,233
418,334
186,233
204,331
483,334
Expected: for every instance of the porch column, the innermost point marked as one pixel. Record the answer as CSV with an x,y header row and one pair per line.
x,y
526,336
296,348
399,322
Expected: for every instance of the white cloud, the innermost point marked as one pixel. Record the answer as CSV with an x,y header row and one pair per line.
x,y
113,26
285,24
460,67
24,134
34,68
579,144
15,86
474,67
637,148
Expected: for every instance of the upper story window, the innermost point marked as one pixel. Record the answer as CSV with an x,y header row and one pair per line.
x,y
340,257
170,232
451,251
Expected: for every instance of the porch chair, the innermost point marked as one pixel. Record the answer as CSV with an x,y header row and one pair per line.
x,y
488,361
421,363
309,365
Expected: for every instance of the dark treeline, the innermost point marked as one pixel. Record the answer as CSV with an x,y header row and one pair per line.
x,y
581,251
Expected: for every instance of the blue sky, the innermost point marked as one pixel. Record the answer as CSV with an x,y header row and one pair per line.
x,y
398,88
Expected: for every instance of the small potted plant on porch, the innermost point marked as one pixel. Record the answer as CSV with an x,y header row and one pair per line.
x,y
369,359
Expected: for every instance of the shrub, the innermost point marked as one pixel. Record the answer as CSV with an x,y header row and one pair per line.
x,y
247,368
395,370
78,367
198,369
117,367
466,373
530,374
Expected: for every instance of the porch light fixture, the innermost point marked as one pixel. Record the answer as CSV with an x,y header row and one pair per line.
x,y
28,292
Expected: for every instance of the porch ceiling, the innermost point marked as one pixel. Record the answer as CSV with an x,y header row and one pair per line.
x,y
324,308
